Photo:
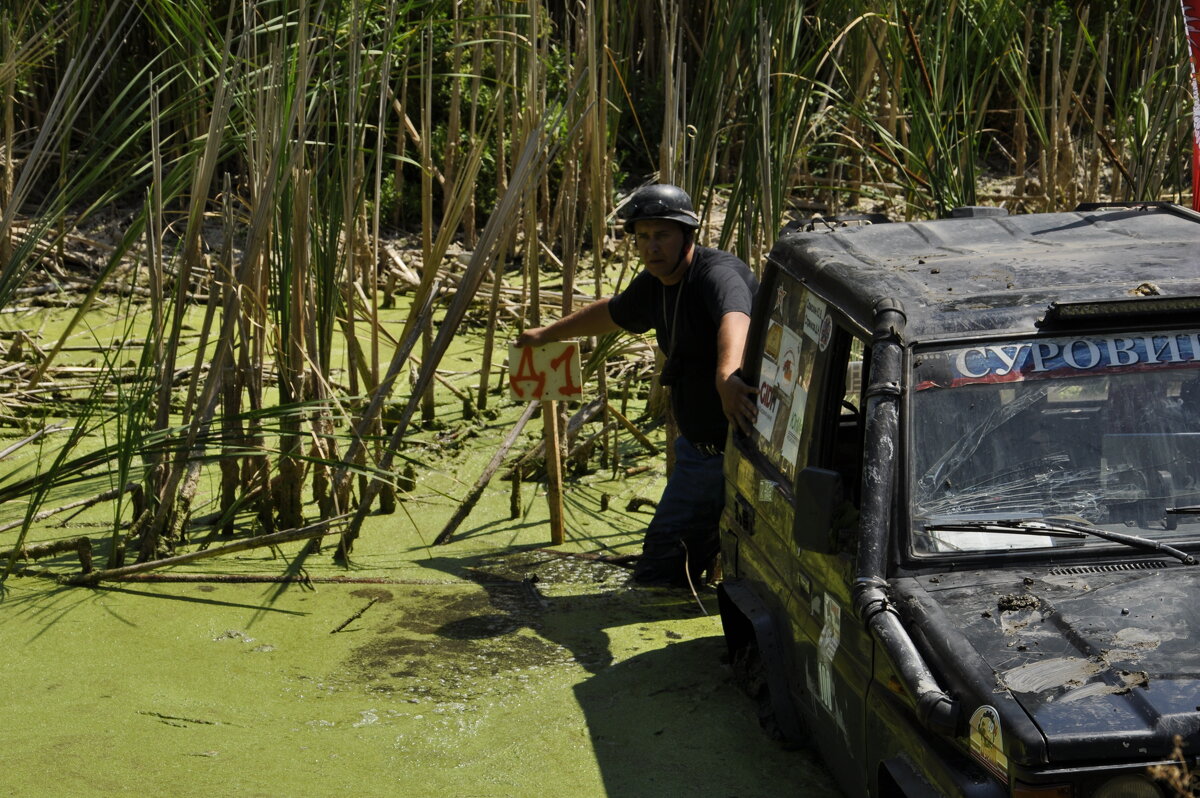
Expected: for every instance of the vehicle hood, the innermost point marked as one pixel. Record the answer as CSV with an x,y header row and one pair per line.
x,y
1103,660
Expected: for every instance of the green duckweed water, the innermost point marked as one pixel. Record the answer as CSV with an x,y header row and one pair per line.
x,y
458,678
487,667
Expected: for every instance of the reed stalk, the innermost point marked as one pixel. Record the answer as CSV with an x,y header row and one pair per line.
x,y
258,152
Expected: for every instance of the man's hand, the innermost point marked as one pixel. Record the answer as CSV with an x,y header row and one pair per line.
x,y
535,336
738,402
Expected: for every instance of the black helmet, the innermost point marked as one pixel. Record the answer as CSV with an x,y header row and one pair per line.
x,y
661,201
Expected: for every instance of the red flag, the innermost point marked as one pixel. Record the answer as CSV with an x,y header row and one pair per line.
x,y
1191,24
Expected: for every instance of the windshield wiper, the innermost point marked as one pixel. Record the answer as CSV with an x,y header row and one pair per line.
x,y
1067,529
1027,526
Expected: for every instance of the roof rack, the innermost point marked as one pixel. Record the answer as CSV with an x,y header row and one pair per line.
x,y
1170,207
818,223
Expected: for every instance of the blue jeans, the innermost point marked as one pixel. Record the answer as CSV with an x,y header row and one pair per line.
x,y
683,533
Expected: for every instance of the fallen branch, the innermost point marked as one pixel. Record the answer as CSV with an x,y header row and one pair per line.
x,y
469,503
354,617
81,545
35,436
581,417
320,529
642,438
445,382
399,267
79,505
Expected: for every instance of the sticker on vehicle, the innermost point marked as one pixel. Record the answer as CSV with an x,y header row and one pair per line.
x,y
768,404
987,741
814,317
827,646
795,426
789,362
1058,357
826,333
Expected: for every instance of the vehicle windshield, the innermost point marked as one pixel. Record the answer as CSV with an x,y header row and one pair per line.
x,y
1100,431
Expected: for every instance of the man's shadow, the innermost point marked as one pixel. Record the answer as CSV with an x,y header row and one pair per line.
x,y
577,623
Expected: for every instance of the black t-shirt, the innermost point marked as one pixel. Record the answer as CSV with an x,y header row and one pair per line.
x,y
685,318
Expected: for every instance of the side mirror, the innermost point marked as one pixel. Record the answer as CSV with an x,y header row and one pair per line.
x,y
818,494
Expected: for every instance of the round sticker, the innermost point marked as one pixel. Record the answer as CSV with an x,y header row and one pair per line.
x,y
826,332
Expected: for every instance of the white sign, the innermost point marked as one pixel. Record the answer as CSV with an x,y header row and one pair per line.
x,y
545,373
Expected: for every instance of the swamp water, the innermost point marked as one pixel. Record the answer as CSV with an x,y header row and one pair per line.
x,y
485,667
458,678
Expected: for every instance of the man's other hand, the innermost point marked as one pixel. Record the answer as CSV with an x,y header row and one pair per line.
x,y
738,402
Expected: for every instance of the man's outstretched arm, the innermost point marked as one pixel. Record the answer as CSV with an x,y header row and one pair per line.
x,y
593,319
737,398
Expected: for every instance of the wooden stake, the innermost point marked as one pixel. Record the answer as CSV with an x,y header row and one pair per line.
x,y
514,496
553,471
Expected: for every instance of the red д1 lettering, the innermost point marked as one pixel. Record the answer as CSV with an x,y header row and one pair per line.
x,y
545,373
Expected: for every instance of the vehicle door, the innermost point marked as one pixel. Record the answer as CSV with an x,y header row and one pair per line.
x,y
808,364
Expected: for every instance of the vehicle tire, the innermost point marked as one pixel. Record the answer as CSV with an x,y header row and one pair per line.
x,y
750,675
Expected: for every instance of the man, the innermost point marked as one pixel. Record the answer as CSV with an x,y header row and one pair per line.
x,y
698,302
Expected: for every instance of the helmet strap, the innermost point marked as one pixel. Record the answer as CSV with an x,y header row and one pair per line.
x,y
688,239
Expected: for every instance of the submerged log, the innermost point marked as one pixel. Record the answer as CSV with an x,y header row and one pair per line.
x,y
321,528
81,545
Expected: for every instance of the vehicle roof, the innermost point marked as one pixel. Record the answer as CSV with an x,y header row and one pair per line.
x,y
997,274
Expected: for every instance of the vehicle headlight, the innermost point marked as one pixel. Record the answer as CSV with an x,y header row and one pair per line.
x,y
1128,786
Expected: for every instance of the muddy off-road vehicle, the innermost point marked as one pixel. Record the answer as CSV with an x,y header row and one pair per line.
x,y
960,544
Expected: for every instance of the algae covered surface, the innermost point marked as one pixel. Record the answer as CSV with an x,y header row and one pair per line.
x,y
492,666
495,665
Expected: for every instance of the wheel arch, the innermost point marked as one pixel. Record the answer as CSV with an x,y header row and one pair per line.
x,y
747,621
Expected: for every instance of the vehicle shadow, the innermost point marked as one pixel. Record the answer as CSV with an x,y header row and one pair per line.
x,y
670,721
663,714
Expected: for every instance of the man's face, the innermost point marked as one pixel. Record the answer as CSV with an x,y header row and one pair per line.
x,y
660,243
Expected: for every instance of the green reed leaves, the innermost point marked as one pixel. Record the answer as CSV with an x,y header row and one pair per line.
x,y
247,159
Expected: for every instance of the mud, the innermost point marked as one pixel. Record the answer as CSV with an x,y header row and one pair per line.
x,y
474,639
1124,682
1036,677
1013,602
